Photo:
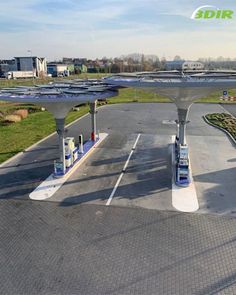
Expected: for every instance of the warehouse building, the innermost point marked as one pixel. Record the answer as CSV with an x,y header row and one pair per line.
x,y
183,65
32,63
58,69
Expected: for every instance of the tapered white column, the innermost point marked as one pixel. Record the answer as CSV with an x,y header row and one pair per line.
x,y
182,121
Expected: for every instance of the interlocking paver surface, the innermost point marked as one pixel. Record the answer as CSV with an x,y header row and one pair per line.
x,y
89,249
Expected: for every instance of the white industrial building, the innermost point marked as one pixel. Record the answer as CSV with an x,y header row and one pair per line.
x,y
57,69
183,65
32,63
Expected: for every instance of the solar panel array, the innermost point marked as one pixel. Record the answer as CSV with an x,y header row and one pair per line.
x,y
176,75
66,88
100,89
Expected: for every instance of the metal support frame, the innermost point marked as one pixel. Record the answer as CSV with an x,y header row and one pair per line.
x,y
60,127
93,112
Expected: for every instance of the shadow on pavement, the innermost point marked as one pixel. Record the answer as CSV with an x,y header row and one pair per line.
x,y
220,197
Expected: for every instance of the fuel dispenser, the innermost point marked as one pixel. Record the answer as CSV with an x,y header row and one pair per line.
x,y
69,149
182,165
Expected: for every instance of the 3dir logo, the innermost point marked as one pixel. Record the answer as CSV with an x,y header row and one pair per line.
x,y
212,12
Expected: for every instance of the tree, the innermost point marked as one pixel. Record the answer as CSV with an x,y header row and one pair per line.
x,y
163,63
177,58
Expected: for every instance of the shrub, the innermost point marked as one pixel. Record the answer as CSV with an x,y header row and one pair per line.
x,y
225,121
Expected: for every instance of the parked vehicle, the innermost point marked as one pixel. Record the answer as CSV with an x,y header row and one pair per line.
x,y
19,75
60,74
65,73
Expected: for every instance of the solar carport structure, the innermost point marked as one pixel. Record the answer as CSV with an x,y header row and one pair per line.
x,y
182,88
59,98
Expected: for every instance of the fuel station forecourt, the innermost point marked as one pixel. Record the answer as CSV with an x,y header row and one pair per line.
x,y
183,89
59,97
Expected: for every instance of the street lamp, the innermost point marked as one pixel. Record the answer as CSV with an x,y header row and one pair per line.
x,y
30,51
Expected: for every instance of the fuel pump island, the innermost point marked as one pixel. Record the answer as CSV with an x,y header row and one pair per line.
x,y
183,89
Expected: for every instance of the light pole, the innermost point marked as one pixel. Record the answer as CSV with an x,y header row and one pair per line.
x,y
30,51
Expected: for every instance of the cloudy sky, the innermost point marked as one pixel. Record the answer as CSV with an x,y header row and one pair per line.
x,y
97,28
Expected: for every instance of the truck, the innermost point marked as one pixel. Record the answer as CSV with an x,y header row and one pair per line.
x,y
19,75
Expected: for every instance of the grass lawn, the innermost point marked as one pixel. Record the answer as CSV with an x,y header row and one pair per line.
x,y
18,136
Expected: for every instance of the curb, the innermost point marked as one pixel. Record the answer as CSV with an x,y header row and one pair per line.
x,y
220,128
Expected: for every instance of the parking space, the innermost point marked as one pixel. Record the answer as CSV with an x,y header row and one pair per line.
x,y
96,177
148,178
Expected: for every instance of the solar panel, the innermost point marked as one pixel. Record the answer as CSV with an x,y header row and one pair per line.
x,y
67,91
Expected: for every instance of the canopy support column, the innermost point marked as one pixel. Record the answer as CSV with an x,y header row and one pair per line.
x,y
182,121
60,127
177,129
93,112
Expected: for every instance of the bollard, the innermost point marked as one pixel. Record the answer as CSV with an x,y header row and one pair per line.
x,y
81,144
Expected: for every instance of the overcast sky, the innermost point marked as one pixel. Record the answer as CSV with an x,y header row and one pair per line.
x,y
97,28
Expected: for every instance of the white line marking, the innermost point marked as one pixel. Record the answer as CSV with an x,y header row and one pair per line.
x,y
49,187
183,198
135,144
123,171
114,189
127,162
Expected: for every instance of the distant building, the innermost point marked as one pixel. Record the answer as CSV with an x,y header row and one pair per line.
x,y
80,60
67,60
183,65
57,69
31,63
6,66
92,67
80,68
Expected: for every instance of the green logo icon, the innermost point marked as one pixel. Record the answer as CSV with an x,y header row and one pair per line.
x,y
212,12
